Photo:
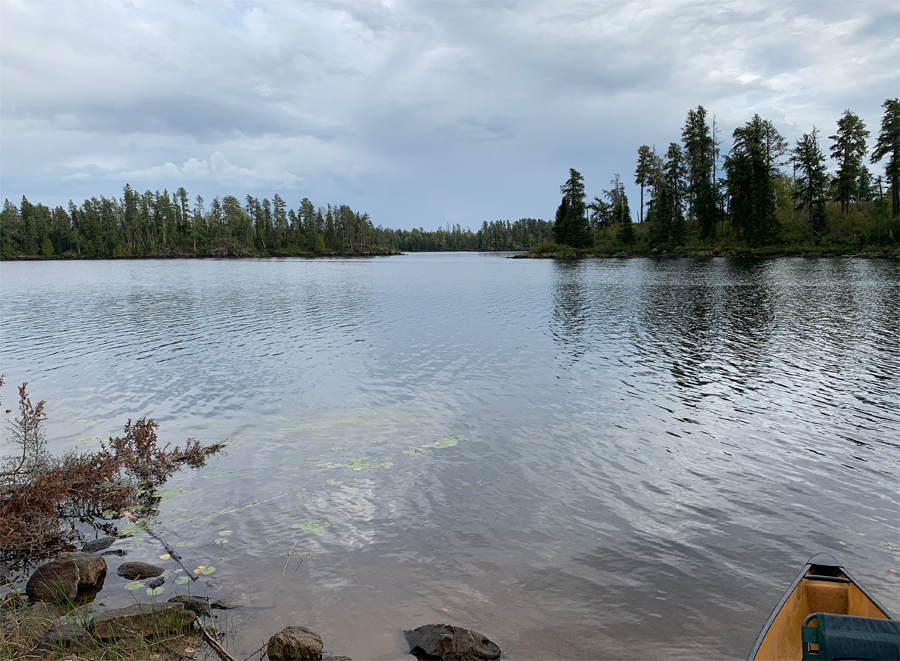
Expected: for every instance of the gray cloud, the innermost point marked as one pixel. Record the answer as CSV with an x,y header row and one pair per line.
x,y
421,113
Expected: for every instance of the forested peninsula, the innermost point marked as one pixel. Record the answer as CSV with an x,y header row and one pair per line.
x,y
762,196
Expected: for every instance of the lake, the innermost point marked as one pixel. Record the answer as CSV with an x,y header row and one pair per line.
x,y
598,459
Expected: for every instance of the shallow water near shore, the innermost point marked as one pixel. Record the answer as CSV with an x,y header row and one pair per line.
x,y
601,459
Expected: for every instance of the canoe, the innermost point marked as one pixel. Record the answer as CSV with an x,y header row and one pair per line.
x,y
827,614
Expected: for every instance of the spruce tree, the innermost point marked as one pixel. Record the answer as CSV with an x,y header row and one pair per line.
x,y
889,145
644,171
575,230
699,147
812,180
752,167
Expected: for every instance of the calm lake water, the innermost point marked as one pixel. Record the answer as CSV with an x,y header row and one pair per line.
x,y
613,459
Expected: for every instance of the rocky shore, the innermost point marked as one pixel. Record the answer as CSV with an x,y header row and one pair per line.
x,y
59,619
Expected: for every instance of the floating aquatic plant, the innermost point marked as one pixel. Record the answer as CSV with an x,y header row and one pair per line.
x,y
365,464
181,580
333,483
134,585
155,591
313,526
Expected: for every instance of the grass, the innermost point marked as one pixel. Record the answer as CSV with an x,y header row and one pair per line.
x,y
24,629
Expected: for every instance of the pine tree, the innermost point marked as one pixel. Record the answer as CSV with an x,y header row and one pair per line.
x,y
848,149
889,145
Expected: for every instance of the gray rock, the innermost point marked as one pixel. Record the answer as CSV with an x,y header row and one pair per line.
x,y
119,552
156,582
294,643
4,573
91,569
64,635
142,620
135,571
55,581
451,643
199,605
229,602
97,544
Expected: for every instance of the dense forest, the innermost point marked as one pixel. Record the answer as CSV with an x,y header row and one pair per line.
x,y
163,224
761,195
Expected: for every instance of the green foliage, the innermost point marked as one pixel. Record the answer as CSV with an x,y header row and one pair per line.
x,y
848,149
888,144
752,169
572,227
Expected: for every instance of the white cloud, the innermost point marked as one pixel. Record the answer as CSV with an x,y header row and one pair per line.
x,y
472,111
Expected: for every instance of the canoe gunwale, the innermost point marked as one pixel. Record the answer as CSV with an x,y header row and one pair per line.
x,y
793,586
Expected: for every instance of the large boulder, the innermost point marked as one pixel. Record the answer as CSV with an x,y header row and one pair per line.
x,y
142,620
135,571
55,581
91,569
445,641
294,644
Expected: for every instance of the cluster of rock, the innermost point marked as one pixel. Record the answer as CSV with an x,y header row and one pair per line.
x,y
61,580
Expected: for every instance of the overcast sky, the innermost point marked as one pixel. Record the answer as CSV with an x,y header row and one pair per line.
x,y
421,113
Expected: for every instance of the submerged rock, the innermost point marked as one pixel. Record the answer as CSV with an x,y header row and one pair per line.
x,y
229,602
142,620
115,552
135,571
294,644
156,582
445,641
199,605
91,569
97,544
55,581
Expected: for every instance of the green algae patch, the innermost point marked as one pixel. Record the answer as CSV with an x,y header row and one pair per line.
x,y
363,463
312,527
333,483
447,442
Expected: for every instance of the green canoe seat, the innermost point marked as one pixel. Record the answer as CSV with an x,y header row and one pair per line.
x,y
848,637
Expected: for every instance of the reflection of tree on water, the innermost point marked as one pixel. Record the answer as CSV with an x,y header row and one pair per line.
x,y
568,322
709,322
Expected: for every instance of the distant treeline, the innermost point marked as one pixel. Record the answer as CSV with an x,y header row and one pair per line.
x,y
159,223
761,195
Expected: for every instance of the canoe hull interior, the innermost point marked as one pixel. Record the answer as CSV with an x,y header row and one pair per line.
x,y
818,588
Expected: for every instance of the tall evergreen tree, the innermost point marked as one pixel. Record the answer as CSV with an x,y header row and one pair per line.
x,y
575,228
889,145
644,171
699,148
812,179
848,149
752,168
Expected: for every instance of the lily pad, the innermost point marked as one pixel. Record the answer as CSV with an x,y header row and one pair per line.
x,y
155,591
204,570
181,580
134,585
184,543
133,528
221,540
313,526
333,483
225,533
164,556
